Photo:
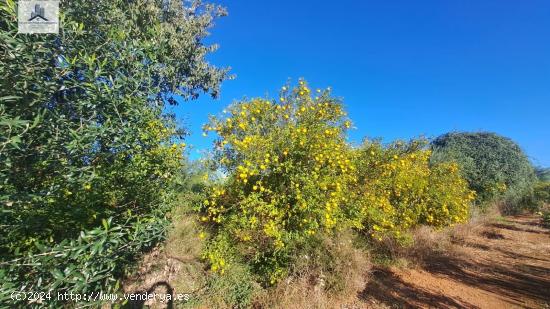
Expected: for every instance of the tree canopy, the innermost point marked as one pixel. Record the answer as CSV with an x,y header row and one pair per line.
x,y
85,138
494,166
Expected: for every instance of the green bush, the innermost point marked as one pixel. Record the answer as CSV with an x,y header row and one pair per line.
x,y
89,264
293,181
546,219
84,133
541,192
494,166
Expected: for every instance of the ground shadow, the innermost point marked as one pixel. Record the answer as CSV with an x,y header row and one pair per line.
x,y
492,235
513,281
388,288
519,256
510,254
538,224
522,280
519,229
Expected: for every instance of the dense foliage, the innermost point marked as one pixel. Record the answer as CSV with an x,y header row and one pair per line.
x,y
292,179
288,169
546,219
88,264
494,166
541,192
90,161
398,189
84,134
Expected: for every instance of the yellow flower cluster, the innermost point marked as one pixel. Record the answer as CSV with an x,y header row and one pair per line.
x,y
292,176
289,168
399,189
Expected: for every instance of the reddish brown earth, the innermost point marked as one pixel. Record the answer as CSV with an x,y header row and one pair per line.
x,y
504,264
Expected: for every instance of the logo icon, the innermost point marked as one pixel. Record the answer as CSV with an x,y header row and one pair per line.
x,y
38,12
38,16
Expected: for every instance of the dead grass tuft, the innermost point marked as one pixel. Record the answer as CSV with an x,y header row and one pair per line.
x,y
329,277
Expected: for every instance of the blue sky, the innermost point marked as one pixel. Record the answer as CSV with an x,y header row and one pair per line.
x,y
403,68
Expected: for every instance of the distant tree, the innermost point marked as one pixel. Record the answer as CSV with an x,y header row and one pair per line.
x,y
494,166
543,173
541,196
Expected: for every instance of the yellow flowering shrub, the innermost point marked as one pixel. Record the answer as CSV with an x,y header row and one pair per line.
x,y
398,189
288,170
291,178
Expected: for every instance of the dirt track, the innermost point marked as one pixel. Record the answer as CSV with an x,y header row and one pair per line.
x,y
502,265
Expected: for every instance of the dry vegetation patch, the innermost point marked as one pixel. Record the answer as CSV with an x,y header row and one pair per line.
x,y
461,266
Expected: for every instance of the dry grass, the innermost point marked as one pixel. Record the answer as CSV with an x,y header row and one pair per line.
x,y
459,234
426,242
185,246
331,277
175,266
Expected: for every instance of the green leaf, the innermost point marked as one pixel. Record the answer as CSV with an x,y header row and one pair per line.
x,y
9,98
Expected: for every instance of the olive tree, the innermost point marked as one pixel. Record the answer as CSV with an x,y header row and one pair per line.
x,y
86,144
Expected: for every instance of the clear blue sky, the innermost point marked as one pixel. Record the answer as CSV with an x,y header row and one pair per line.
x,y
404,68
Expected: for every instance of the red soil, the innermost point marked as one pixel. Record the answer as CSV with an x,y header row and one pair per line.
x,y
499,265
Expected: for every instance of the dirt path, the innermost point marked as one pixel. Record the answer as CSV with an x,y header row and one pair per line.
x,y
505,264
